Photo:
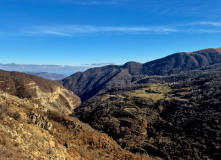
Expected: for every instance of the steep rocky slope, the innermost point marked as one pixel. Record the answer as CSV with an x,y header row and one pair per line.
x,y
28,134
96,80
48,95
172,117
34,124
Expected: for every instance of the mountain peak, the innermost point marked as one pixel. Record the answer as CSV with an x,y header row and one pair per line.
x,y
131,64
133,67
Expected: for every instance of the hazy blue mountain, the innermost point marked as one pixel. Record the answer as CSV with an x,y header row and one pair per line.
x,y
50,76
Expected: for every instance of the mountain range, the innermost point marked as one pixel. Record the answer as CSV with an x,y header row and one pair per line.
x,y
49,76
169,108
170,117
95,80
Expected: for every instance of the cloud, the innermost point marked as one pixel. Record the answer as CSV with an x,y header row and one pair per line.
x,y
62,69
215,24
86,30
79,30
101,64
204,31
201,27
95,2
199,8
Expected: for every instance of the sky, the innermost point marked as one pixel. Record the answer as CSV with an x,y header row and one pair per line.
x,y
66,36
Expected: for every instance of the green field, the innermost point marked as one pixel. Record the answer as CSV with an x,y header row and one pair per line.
x,y
153,91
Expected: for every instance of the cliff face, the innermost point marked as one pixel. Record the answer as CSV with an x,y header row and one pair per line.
x,y
48,95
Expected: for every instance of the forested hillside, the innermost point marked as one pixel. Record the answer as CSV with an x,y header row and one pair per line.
x,y
166,116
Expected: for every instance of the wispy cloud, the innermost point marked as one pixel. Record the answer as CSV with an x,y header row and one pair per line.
x,y
95,2
162,7
215,24
100,64
43,68
201,27
84,30
76,30
61,69
199,8
203,31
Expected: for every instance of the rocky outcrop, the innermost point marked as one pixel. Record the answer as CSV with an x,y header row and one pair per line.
x,y
41,121
29,134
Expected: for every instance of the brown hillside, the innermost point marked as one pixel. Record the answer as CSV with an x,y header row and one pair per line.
x,y
47,94
27,133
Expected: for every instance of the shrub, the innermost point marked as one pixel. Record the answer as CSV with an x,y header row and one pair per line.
x,y
3,109
16,115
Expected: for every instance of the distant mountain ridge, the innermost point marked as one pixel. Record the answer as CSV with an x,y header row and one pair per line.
x,y
49,76
181,62
89,83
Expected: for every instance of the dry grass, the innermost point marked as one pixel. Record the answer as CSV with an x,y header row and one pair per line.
x,y
11,154
81,139
70,137
154,92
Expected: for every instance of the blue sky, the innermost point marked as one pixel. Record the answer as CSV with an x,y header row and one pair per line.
x,y
87,33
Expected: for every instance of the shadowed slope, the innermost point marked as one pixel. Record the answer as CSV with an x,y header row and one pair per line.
x,y
173,117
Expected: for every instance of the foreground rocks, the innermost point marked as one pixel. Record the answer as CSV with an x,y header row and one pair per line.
x,y
29,133
41,121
